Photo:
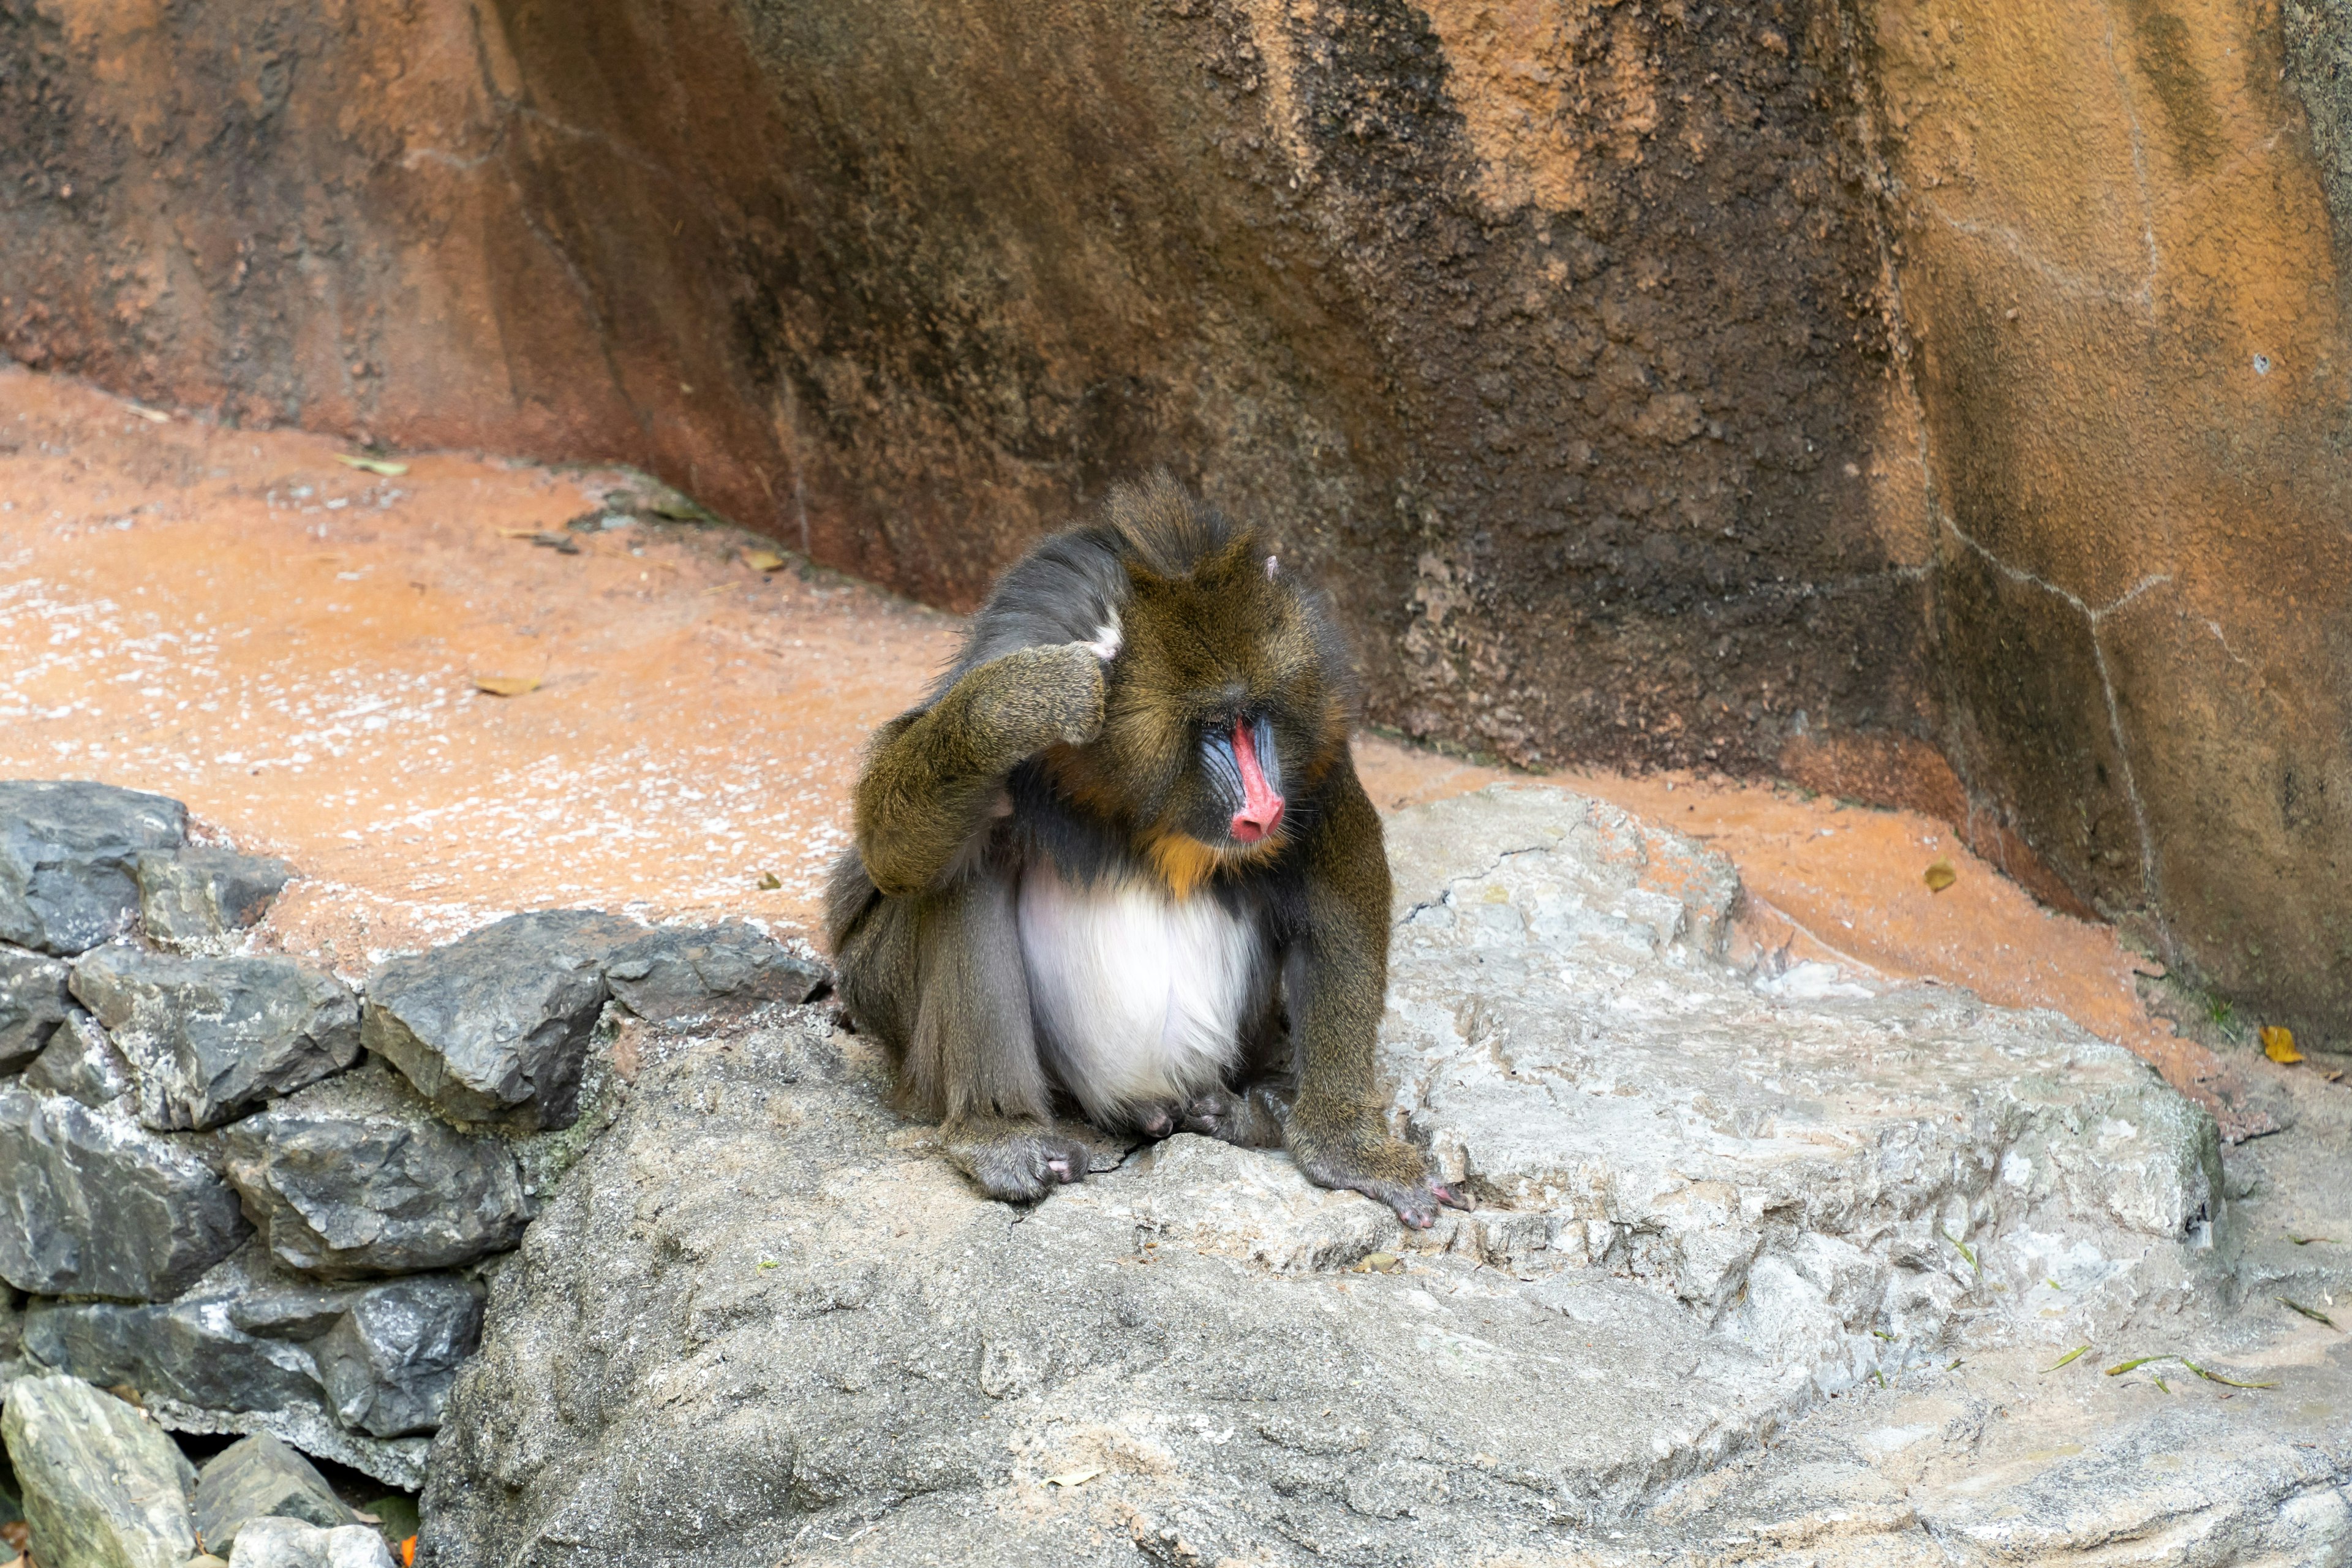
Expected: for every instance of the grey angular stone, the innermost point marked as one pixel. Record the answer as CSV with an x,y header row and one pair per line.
x,y
92,1204
209,1039
188,1350
297,1313
103,1487
33,1001
495,1027
293,1543
192,899
389,1363
358,1176
250,1348
260,1477
675,975
81,1062
65,855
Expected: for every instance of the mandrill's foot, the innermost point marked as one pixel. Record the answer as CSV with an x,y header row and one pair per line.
x,y
1363,1159
1016,1160
1251,1117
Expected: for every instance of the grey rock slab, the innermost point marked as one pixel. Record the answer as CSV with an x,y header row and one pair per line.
x,y
2001,1460
33,1001
684,975
67,854
260,1477
760,1313
294,1543
81,1063
93,1204
494,1027
389,1362
195,898
755,1243
1804,1162
103,1487
209,1039
358,1176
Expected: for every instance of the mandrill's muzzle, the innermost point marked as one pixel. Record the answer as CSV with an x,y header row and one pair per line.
x,y
1261,810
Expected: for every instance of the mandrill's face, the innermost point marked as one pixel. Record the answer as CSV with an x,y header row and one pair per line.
x,y
1218,713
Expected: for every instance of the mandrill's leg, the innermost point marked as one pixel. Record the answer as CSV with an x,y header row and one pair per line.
x,y
1336,978
972,1056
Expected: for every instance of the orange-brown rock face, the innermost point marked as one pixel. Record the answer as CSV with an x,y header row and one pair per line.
x,y
1588,351
1556,333
2115,263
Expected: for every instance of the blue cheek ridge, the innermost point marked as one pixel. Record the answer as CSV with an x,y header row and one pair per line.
x,y
1269,760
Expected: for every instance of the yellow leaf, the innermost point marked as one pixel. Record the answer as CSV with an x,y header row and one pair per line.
x,y
383,466
770,881
1380,1263
153,416
506,685
1940,876
2278,1044
762,560
1074,1477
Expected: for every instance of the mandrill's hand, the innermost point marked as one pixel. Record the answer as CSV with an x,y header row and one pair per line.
x,y
1032,697
1355,1155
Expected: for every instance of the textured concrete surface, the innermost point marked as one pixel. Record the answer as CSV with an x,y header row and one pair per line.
x,y
1737,1228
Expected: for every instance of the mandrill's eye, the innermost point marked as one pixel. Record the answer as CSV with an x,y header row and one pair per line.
x,y
1245,771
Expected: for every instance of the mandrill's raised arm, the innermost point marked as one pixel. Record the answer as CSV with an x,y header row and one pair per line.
x,y
933,773
1337,980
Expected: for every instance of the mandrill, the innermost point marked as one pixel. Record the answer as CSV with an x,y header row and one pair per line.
x,y
1118,860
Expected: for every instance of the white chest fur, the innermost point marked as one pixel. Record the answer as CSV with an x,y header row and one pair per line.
x,y
1138,996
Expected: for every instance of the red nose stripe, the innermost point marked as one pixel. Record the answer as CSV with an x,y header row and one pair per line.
x,y
1261,810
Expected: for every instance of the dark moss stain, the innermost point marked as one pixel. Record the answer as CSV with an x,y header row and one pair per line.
x,y
2160,51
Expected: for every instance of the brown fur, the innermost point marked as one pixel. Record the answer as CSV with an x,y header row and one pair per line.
x,y
1032,747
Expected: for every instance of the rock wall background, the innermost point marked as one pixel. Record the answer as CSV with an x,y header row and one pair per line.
x,y
1642,377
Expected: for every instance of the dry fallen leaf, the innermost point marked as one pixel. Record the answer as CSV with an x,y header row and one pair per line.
x,y
506,685
770,881
2278,1044
408,1552
1380,1263
762,560
2217,1377
383,466
153,416
2314,1313
1940,876
1074,1477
